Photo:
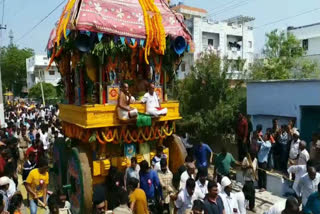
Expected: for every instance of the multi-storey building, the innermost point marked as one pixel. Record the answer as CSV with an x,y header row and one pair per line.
x,y
36,71
309,35
231,38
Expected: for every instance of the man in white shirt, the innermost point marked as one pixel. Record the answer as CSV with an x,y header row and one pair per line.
x,y
241,202
44,138
308,184
189,173
42,113
185,199
294,147
303,153
229,199
201,184
152,102
299,171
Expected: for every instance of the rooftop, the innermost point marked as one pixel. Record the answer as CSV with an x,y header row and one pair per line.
x,y
239,19
185,7
303,26
283,81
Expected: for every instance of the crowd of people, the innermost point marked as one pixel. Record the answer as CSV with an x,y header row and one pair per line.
x,y
281,150
27,138
152,188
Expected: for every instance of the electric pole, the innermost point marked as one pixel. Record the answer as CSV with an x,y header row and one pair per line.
x,y
1,95
2,27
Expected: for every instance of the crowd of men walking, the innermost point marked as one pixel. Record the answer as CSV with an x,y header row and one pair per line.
x,y
26,140
30,131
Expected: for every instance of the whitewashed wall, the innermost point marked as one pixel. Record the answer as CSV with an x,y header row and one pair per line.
x,y
282,98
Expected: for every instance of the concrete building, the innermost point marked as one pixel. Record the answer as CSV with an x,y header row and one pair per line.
x,y
231,38
309,35
285,100
36,71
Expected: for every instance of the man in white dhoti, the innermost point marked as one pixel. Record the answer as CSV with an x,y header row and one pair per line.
x,y
125,111
152,102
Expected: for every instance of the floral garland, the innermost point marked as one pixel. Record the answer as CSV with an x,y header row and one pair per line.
x,y
63,21
73,131
155,33
115,135
139,136
62,27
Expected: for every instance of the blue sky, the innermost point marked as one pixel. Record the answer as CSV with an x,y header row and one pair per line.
x,y
22,15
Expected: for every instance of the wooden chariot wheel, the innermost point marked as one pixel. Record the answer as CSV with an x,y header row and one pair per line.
x,y
59,163
80,178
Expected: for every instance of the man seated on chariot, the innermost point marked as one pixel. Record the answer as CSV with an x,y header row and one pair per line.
x,y
125,111
152,102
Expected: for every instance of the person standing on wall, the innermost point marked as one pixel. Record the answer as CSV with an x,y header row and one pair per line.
x,y
265,147
242,136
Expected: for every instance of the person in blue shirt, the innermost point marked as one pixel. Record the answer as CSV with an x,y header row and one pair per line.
x,y
150,183
201,153
313,203
265,147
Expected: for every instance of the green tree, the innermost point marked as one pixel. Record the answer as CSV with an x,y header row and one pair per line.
x,y
209,102
13,62
49,91
283,59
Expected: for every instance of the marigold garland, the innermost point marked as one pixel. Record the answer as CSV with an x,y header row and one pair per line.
x,y
115,135
133,136
64,20
62,27
155,33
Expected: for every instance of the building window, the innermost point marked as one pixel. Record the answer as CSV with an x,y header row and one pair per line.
x,y
250,44
183,67
305,44
45,58
51,72
210,42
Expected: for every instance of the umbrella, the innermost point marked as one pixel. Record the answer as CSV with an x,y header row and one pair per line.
x,y
9,93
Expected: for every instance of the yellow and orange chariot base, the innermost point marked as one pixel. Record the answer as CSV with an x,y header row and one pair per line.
x,y
123,134
99,115
107,144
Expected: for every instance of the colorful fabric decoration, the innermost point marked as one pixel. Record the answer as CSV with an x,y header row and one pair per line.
x,y
143,120
119,134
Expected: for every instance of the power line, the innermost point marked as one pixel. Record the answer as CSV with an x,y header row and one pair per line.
x,y
231,7
286,18
221,6
42,20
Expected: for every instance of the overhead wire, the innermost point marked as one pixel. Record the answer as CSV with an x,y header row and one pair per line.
x,y
221,6
42,20
231,7
286,18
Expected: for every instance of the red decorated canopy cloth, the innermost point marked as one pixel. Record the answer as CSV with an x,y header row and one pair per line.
x,y
125,18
